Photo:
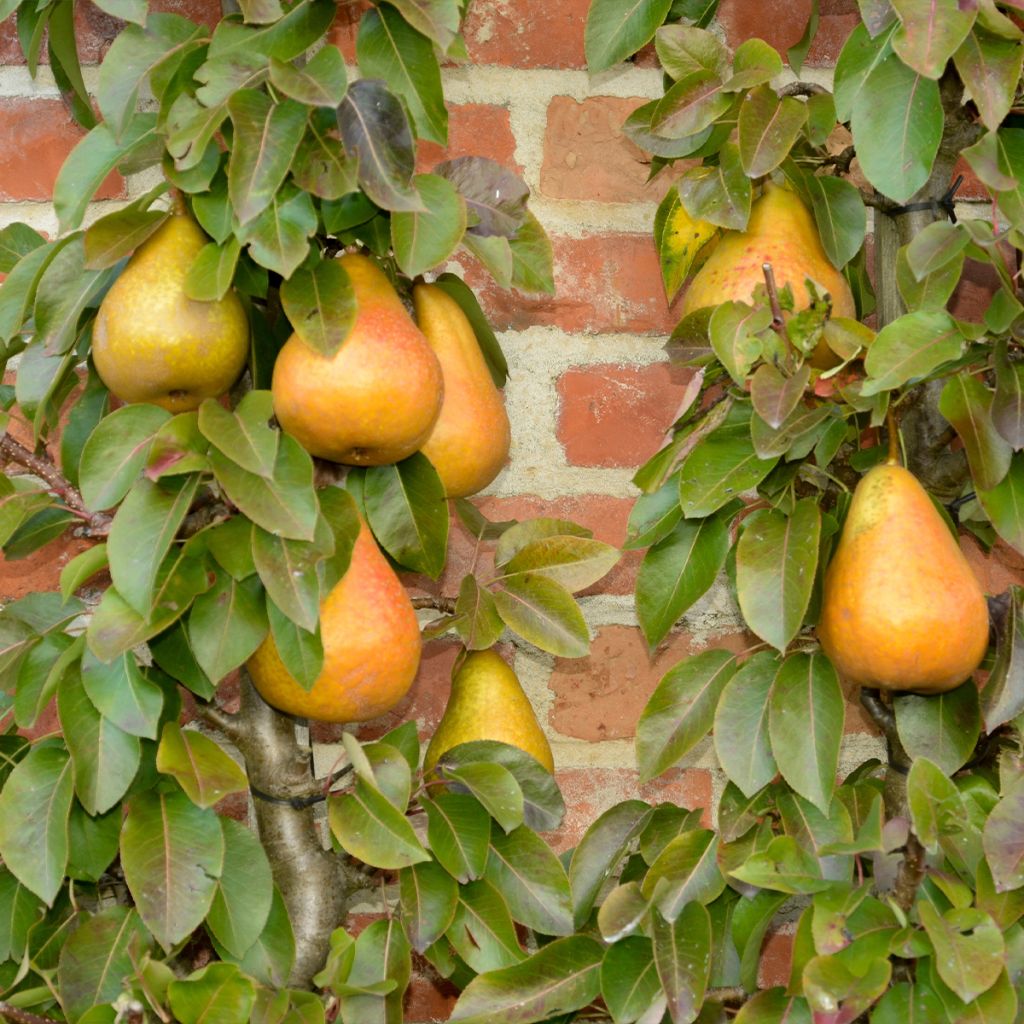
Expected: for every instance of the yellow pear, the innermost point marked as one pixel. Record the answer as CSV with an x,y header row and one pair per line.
x,y
487,702
152,343
376,399
901,609
781,231
470,440
371,641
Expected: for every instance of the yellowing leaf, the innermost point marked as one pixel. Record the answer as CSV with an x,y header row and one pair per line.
x,y
680,240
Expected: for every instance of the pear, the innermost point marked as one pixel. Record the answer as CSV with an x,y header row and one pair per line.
x,y
901,608
372,645
152,343
470,440
487,702
781,231
377,398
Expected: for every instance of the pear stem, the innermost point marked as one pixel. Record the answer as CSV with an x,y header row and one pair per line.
x,y
778,322
894,437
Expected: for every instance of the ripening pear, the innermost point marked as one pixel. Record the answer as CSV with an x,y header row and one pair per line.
x,y
487,702
780,231
470,440
371,639
901,608
377,398
152,343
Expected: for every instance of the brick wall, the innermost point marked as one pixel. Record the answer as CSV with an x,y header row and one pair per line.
x,y
590,393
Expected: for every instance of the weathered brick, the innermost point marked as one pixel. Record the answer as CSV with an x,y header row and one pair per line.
x,y
587,156
604,283
589,792
776,959
600,697
474,129
527,34
978,283
782,25
38,134
616,415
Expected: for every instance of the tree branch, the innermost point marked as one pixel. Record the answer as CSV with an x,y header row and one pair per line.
x,y
18,1016
44,469
802,89
910,874
440,604
217,718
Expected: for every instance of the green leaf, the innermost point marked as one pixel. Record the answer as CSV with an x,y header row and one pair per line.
x,y
269,959
560,977
19,289
494,786
244,435
911,347
302,651
217,992
930,32
371,829
615,31
681,710
774,396
990,68
482,930
806,720
266,137
287,569
575,562
897,125
407,511
210,276
284,504
682,955
172,853
320,82
245,890
784,866
39,673
522,867
17,240
458,832
1004,504
204,771
322,166
436,19
375,129
92,159
831,986
774,1006
278,237
429,896
678,570
105,759
423,240
685,871
1003,840
936,808
82,567
944,727
115,453
934,247
320,305
380,973
1002,697
128,10
840,216
720,193
776,562
119,234
141,535
544,613
741,724
968,948
768,128
227,624
34,807
391,49
97,958
479,625
122,694
934,290
967,404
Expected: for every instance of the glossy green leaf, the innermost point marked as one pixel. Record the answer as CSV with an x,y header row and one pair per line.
x,y
428,899
494,786
204,771
774,1006
840,216
320,305
371,829
423,240
217,992
245,890
681,711
227,624
1004,504
936,808
210,276
65,290
482,931
682,956
172,853
34,807
269,959
615,31
278,237
967,404
320,82
243,436
1002,697
910,347
560,977
768,127
783,866
776,562
943,727
741,724
480,625
544,613
118,234
686,870
122,694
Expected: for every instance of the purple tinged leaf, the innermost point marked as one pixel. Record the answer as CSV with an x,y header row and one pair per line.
x,y
1003,840
1007,410
682,955
768,128
495,196
990,68
721,193
1004,504
774,395
429,896
989,161
967,404
616,30
375,128
930,32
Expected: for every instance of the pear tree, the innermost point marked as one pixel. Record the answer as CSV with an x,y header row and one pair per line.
x,y
123,895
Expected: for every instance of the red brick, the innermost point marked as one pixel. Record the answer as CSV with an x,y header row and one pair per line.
x,y
971,187
589,792
783,25
39,571
603,284
597,402
343,32
600,697
776,959
95,30
38,135
429,997
978,283
474,129
527,34
587,156
997,569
